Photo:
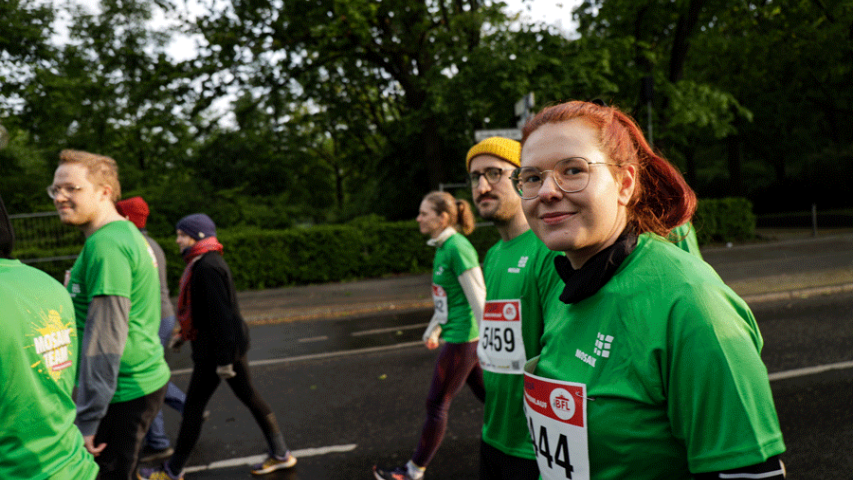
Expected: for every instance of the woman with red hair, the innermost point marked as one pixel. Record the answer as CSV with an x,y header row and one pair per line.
x,y
651,369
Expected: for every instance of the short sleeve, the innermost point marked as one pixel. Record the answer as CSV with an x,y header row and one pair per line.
x,y
464,257
108,272
719,399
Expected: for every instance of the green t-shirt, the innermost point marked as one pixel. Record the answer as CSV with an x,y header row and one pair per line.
x,y
38,366
117,261
684,237
452,258
521,269
670,357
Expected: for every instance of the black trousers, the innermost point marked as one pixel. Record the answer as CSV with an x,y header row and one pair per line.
x,y
496,465
122,429
203,383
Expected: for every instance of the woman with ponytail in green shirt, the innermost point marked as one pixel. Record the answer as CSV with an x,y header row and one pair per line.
x,y
650,367
459,294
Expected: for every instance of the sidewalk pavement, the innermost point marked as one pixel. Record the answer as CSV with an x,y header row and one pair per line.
x,y
787,267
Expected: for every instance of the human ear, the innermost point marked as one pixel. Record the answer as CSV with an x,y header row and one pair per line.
x,y
627,181
106,191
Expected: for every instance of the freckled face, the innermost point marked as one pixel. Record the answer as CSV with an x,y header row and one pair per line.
x,y
580,223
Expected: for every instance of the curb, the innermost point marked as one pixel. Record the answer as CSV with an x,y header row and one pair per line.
x,y
798,294
332,313
355,312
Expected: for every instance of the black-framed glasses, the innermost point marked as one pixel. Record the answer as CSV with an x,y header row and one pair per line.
x,y
53,191
570,174
493,175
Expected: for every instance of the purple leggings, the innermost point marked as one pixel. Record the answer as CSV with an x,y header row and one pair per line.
x,y
457,364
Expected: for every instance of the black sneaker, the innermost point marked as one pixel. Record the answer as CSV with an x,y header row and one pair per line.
x,y
149,455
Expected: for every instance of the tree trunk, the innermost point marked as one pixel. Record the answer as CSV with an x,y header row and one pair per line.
x,y
735,157
431,152
680,44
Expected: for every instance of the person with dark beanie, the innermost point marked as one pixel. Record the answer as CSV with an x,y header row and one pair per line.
x,y
210,319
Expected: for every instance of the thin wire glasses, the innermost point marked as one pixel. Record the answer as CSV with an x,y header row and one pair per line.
x,y
570,174
53,191
493,175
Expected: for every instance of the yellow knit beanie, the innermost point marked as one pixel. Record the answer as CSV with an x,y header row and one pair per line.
x,y
503,148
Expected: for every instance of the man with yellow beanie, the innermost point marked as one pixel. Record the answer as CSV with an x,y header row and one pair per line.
x,y
520,278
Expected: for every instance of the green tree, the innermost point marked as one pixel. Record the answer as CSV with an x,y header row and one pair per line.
x,y
25,31
385,96
791,67
749,93
113,90
654,40
368,74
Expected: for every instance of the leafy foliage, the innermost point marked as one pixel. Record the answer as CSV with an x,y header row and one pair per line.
x,y
724,220
319,111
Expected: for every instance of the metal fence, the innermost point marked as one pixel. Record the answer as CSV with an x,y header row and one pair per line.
x,y
43,232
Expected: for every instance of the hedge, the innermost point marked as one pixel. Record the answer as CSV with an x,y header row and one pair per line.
x,y
724,220
261,259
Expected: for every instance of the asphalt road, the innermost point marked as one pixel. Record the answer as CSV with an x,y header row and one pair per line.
x,y
350,393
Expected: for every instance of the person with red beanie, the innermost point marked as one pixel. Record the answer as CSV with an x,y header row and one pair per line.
x,y
155,445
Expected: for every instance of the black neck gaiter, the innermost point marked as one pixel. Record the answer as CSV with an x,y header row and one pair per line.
x,y
597,271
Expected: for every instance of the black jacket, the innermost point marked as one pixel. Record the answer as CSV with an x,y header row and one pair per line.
x,y
223,335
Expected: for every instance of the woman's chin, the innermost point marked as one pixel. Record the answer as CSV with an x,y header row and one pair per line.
x,y
558,240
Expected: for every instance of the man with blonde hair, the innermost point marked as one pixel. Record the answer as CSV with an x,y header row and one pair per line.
x,y
115,290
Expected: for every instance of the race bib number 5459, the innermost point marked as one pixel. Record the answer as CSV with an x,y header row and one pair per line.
x,y
501,347
556,417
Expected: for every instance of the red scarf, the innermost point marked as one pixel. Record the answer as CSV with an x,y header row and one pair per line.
x,y
185,317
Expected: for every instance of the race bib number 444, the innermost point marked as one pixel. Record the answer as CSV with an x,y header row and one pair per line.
x,y
501,349
556,417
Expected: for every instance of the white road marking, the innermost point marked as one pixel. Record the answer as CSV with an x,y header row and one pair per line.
x,y
316,356
313,339
783,375
238,462
386,330
311,452
802,372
